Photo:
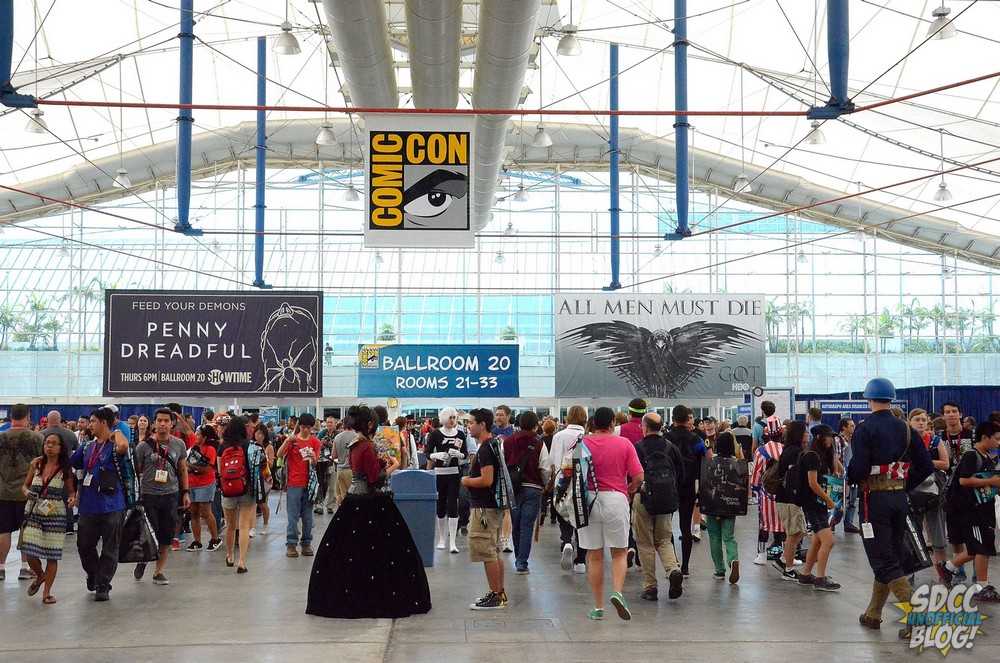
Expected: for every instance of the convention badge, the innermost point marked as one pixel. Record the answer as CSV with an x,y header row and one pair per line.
x,y
87,479
45,507
161,476
867,531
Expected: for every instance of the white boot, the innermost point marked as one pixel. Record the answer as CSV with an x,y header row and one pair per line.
x,y
442,528
453,534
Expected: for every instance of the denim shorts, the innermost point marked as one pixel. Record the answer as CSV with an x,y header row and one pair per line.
x,y
230,503
203,494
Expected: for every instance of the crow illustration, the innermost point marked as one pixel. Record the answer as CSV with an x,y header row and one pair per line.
x,y
659,363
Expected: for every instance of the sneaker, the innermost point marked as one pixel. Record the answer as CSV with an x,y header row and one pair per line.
x,y
790,575
491,601
631,557
619,604
213,545
686,573
521,571
291,551
507,546
25,574
851,529
160,579
318,511
760,559
91,584
262,529
796,562
464,531
696,535
824,584
580,568
719,575
307,550
253,532
175,545
734,572
566,558
806,579
102,595
329,510
959,575
676,579
988,595
778,565
194,546
650,594
140,570
947,576
597,614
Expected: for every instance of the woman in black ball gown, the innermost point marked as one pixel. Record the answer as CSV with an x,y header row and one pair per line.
x,y
367,564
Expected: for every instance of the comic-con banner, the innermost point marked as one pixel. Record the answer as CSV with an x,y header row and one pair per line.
x,y
658,346
438,371
418,184
172,342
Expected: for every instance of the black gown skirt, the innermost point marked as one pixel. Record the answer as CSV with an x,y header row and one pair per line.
x,y
367,564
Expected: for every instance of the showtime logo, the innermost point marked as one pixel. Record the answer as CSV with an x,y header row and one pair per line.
x,y
217,377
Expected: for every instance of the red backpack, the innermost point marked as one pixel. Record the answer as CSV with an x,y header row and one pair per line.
x,y
235,473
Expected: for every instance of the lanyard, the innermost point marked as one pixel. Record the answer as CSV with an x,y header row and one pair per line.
x,y
95,455
45,484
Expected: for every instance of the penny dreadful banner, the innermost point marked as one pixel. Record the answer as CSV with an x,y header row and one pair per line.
x,y
418,181
172,342
658,346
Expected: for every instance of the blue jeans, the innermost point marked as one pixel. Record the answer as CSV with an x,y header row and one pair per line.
x,y
851,505
523,518
299,506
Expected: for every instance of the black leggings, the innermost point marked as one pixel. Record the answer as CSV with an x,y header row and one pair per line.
x,y
686,511
447,501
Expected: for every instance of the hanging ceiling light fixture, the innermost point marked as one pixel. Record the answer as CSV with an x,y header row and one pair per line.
x,y
522,194
941,27
326,135
36,123
499,258
351,195
122,180
742,182
816,135
569,44
942,195
286,43
542,138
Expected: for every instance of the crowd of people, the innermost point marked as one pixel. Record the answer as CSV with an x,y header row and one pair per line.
x,y
614,482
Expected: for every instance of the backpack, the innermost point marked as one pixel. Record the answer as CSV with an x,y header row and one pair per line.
x,y
516,471
791,482
770,481
235,475
659,490
949,503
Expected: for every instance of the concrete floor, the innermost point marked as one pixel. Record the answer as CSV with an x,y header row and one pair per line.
x,y
209,613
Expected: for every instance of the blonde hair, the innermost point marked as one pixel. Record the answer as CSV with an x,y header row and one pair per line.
x,y
548,427
576,415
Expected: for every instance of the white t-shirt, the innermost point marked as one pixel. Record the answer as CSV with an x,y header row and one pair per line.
x,y
562,441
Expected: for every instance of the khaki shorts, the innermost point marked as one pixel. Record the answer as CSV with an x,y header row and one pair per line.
x,y
484,534
791,517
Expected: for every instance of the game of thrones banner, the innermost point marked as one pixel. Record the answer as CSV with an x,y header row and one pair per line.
x,y
658,346
418,183
173,342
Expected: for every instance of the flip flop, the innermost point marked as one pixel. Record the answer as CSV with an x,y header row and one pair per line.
x,y
49,600
34,587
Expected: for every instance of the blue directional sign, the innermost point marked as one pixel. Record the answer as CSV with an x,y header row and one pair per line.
x,y
853,406
438,371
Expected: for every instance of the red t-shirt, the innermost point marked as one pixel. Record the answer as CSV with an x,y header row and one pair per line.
x,y
298,467
207,476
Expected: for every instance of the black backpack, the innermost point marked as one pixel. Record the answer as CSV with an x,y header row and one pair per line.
x,y
659,493
516,471
791,482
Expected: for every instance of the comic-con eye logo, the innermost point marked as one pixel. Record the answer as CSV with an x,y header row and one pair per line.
x,y
418,180
215,377
368,356
943,618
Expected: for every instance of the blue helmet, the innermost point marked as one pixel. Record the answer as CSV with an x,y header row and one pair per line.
x,y
879,389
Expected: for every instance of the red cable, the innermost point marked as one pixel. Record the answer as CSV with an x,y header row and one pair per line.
x,y
491,111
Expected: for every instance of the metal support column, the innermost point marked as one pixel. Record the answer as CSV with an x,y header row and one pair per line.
x,y
185,120
681,124
838,49
261,175
8,97
615,208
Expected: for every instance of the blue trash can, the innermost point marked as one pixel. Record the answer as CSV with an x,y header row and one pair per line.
x,y
415,493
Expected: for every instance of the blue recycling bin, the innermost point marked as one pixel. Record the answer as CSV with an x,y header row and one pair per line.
x,y
415,494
